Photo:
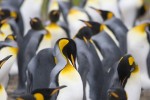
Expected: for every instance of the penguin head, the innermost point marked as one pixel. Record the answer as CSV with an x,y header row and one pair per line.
x,y
36,24
94,26
40,94
54,16
126,67
116,94
106,15
2,62
4,14
67,47
85,33
46,93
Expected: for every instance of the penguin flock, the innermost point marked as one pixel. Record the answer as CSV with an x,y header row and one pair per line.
x,y
96,50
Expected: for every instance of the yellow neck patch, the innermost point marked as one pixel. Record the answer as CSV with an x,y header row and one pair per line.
x,y
140,28
73,11
38,96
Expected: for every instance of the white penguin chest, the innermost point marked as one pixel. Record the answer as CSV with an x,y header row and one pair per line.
x,y
45,42
133,87
71,78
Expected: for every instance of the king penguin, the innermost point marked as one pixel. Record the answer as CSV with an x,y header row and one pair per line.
x,y
90,65
65,73
30,9
41,94
56,31
7,48
37,38
14,7
129,74
115,28
71,15
110,6
129,10
39,68
8,25
104,44
138,45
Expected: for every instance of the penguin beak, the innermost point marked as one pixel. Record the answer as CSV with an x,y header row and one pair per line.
x,y
96,10
86,23
4,60
57,89
112,93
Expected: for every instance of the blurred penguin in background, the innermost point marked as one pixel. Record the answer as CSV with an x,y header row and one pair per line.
x,y
3,93
131,11
8,25
110,6
72,15
30,9
104,45
14,8
92,13
9,49
37,38
56,30
138,40
115,28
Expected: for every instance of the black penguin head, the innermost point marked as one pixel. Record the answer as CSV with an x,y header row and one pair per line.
x,y
46,93
126,67
54,16
26,97
40,94
2,62
36,24
85,33
104,13
4,14
116,94
94,26
68,48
